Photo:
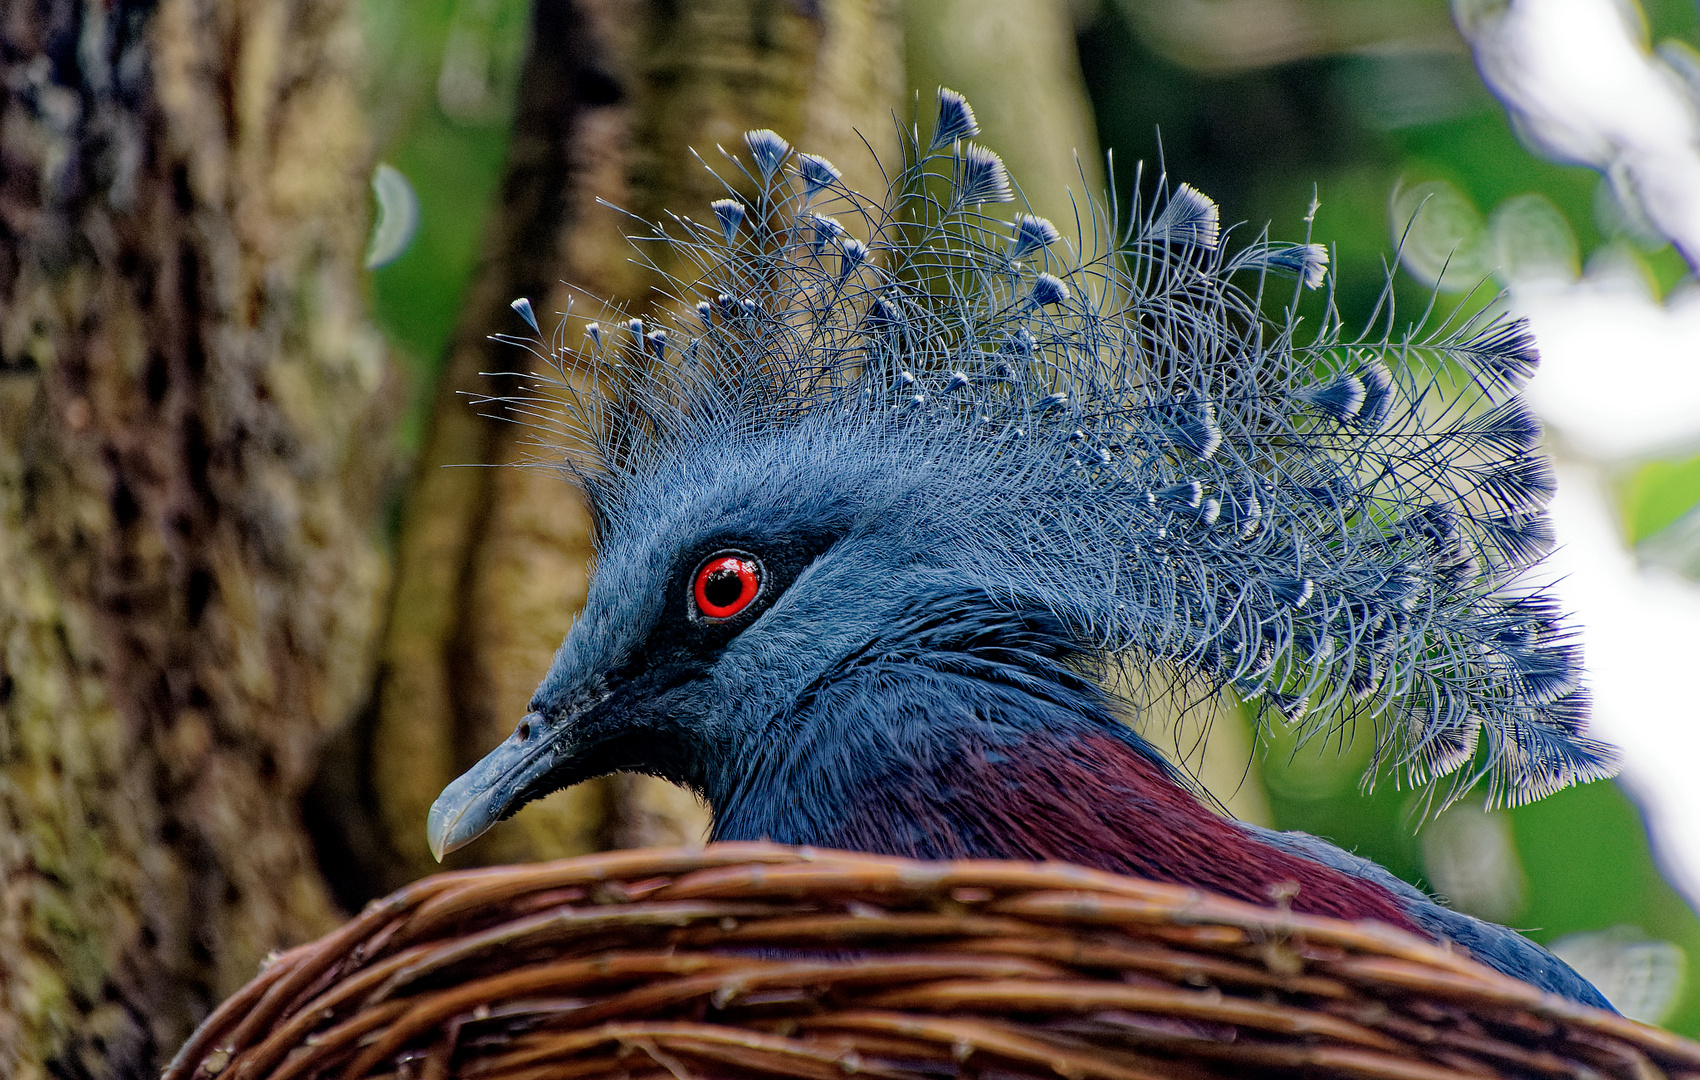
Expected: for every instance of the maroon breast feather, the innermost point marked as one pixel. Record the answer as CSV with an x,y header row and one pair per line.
x,y
1096,800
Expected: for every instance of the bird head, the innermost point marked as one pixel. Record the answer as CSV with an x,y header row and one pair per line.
x,y
734,587
889,469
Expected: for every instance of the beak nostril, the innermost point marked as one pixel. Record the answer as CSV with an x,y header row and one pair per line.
x,y
523,732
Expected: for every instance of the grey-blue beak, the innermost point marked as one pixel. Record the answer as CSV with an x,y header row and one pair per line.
x,y
468,807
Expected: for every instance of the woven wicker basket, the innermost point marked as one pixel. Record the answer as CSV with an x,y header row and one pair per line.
x,y
750,960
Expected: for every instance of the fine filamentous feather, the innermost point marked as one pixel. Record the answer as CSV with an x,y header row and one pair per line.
x,y
1335,526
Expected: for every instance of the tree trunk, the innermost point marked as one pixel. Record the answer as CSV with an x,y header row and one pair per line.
x,y
189,575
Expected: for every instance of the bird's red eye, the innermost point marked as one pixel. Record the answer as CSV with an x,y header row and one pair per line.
x,y
726,584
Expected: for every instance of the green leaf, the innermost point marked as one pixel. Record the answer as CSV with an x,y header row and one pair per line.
x,y
1657,494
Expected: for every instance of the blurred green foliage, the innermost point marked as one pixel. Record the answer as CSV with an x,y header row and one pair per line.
x,y
441,95
1346,128
1657,494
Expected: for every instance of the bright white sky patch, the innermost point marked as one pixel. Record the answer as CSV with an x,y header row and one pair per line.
x,y
1620,372
1642,643
1582,86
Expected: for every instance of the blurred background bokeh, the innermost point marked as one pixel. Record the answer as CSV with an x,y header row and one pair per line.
x,y
1537,155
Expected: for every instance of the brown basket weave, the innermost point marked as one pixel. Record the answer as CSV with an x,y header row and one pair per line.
x,y
752,960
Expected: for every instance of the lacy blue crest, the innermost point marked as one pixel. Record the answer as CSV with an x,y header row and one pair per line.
x,y
1336,525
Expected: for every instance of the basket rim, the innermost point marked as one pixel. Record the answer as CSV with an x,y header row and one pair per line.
x,y
1044,892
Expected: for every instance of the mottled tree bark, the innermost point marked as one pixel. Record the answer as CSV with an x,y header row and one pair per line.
x,y
191,421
